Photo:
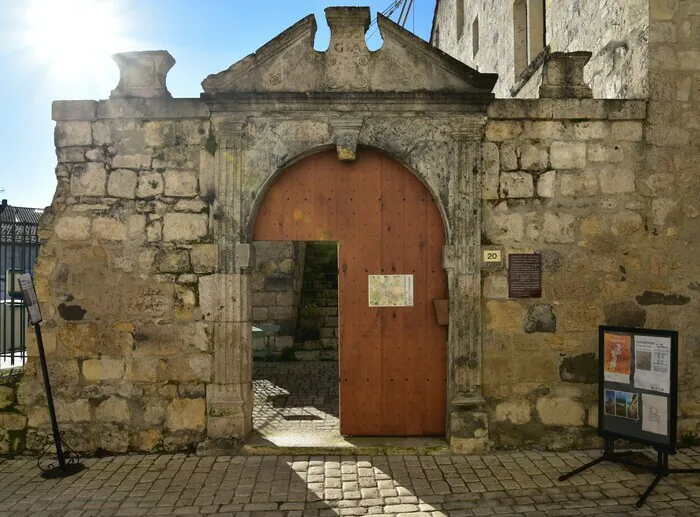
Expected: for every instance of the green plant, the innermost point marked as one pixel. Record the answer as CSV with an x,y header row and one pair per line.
x,y
689,439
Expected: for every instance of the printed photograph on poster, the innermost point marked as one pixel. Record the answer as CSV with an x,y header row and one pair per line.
x,y
652,363
617,348
622,404
654,414
610,402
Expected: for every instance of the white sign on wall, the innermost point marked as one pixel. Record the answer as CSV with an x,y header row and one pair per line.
x,y
390,290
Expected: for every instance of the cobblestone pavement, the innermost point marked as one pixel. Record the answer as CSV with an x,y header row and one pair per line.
x,y
299,396
411,486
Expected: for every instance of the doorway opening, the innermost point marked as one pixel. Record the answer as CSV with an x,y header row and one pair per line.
x,y
295,341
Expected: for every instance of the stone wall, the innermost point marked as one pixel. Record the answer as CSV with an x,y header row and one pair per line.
x,y
277,282
13,422
579,182
124,278
616,31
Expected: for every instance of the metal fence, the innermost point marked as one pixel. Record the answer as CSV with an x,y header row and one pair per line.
x,y
19,247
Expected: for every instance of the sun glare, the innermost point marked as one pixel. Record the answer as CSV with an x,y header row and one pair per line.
x,y
74,39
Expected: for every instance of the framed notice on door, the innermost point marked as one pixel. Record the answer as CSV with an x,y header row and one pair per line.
x,y
638,385
390,290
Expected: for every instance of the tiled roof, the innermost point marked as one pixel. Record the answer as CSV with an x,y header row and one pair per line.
x,y
18,224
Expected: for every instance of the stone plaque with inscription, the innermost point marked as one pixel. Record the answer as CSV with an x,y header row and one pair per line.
x,y
524,275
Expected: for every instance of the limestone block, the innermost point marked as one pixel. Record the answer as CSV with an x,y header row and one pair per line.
x,y
560,411
114,343
544,129
499,130
592,130
205,258
114,410
545,184
122,183
540,318
517,185
143,369
509,156
180,183
13,421
534,158
490,166
101,133
626,223
507,316
154,231
71,154
663,9
558,227
577,316
95,155
190,205
186,414
149,185
81,339
73,133
495,286
283,299
660,208
655,184
259,313
97,370
74,110
568,155
7,396
131,161
191,367
172,261
616,180
591,226
628,131
73,411
109,229
63,373
503,227
89,179
69,228
607,153
148,440
513,411
184,227
577,184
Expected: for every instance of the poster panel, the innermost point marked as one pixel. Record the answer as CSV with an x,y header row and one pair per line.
x,y
390,290
638,385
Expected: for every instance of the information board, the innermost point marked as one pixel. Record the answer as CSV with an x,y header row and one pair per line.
x,y
638,385
29,296
524,275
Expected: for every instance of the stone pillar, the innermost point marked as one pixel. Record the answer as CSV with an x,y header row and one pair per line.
x,y
562,76
467,419
229,397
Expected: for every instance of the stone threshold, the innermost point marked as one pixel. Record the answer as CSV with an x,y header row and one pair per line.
x,y
331,444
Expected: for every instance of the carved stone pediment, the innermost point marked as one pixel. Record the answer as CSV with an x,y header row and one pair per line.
x,y
404,63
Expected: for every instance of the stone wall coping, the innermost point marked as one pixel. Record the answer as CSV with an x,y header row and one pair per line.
x,y
129,108
155,108
348,101
563,109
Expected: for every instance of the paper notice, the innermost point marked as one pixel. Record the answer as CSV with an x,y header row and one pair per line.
x,y
617,349
29,296
654,414
652,363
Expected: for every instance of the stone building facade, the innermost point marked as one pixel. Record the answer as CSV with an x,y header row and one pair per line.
x,y
145,276
513,37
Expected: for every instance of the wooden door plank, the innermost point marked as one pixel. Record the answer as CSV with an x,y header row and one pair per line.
x,y
303,211
325,179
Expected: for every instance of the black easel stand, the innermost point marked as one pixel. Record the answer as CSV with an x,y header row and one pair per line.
x,y
661,468
64,468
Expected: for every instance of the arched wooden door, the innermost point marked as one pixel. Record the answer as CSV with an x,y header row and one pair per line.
x,y
392,360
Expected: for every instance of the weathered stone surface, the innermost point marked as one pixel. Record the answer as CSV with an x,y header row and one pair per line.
x,y
504,315
122,183
172,261
626,223
70,228
545,184
89,179
180,183
558,227
73,133
73,110
617,180
186,414
579,369
109,229
514,411
540,318
97,370
114,410
656,298
184,227
560,411
80,339
625,313
149,185
131,161
516,184
568,155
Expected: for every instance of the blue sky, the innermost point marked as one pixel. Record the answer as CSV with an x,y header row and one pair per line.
x,y
49,50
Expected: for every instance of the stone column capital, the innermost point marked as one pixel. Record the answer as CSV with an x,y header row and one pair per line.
x,y
346,133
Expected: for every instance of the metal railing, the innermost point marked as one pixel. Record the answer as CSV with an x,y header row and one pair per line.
x,y
19,248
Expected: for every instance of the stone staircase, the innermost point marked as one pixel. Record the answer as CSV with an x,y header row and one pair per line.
x,y
317,321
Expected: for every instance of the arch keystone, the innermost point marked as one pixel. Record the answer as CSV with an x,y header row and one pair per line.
x,y
346,132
